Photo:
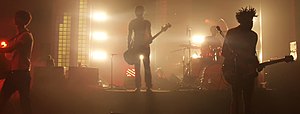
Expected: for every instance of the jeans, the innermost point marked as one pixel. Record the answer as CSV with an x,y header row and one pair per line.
x,y
18,80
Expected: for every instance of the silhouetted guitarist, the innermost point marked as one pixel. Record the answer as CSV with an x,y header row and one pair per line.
x,y
141,31
239,50
19,78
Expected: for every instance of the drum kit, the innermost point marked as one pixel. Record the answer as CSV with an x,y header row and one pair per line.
x,y
204,71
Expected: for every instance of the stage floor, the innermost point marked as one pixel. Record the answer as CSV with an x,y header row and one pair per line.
x,y
93,100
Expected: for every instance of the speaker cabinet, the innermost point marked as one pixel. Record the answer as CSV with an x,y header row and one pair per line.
x,y
48,77
83,76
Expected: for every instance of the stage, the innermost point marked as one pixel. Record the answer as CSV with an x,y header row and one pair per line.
x,y
106,101
96,100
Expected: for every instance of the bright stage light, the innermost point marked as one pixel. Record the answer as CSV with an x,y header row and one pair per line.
x,y
100,36
195,56
99,16
198,39
99,55
3,44
141,57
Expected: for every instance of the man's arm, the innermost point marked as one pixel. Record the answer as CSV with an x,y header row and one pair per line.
x,y
129,37
227,50
256,39
19,42
148,34
149,29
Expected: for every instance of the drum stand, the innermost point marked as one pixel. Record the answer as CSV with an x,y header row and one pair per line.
x,y
188,82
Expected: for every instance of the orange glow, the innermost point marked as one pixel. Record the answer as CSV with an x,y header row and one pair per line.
x,y
207,21
3,44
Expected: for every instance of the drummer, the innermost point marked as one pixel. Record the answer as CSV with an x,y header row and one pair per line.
x,y
213,43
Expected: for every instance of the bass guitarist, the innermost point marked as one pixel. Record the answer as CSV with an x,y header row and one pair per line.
x,y
141,31
240,64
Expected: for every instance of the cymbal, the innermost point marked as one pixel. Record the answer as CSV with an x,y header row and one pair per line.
x,y
181,49
189,46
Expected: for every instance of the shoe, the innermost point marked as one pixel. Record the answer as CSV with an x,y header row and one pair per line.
x,y
137,90
149,90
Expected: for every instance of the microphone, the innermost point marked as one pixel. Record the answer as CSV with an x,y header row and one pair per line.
x,y
219,29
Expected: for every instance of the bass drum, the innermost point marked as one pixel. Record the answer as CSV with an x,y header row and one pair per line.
x,y
198,66
213,78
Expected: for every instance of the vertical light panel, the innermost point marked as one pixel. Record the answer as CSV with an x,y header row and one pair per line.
x,y
83,36
260,54
64,37
293,49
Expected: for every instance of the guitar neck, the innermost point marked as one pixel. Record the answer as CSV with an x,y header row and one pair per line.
x,y
156,35
163,29
264,64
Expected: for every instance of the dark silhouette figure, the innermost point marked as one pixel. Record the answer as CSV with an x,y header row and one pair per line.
x,y
240,64
19,78
141,30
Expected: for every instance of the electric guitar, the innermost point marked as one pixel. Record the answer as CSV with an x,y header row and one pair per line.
x,y
231,77
131,56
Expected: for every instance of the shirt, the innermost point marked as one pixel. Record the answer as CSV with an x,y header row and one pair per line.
x,y
142,33
20,49
240,49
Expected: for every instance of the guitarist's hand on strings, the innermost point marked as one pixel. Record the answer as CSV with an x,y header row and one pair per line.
x,y
260,68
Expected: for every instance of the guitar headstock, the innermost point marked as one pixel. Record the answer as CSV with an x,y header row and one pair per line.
x,y
288,58
166,27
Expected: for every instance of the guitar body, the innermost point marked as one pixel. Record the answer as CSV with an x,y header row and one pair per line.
x,y
229,73
238,74
131,56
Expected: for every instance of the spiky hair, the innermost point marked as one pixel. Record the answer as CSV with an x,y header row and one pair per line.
x,y
245,14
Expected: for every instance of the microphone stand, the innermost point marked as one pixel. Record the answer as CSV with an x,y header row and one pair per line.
x,y
111,71
189,51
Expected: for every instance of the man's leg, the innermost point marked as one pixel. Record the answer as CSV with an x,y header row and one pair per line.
x,y
8,89
137,76
247,95
23,85
236,100
148,76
